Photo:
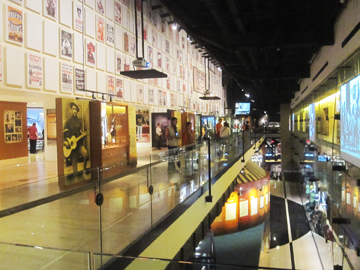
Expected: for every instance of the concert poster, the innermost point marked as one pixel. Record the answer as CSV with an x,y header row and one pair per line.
x,y
151,96
117,8
111,85
100,25
119,89
50,9
75,140
79,81
66,77
140,93
15,29
78,16
35,71
66,45
99,6
109,33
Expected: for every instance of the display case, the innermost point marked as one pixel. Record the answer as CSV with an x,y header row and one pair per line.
x,y
197,126
208,127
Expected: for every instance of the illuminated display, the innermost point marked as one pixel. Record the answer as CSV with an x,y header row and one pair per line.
x,y
350,121
242,108
312,123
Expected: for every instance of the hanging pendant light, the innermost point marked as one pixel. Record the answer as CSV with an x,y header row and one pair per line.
x,y
208,95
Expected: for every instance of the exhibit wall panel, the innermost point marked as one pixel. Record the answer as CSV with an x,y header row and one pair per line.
x,y
13,124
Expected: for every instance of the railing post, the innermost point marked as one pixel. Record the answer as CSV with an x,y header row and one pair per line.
x,y
209,197
243,155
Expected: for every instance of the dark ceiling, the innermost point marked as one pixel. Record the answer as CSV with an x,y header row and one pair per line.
x,y
263,46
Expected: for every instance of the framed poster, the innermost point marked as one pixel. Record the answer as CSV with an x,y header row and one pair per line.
x,y
79,81
66,44
118,63
66,76
159,59
244,208
12,126
14,29
164,99
50,9
51,126
100,22
160,96
126,42
117,8
199,81
78,16
34,71
172,100
119,89
132,48
110,85
100,6
90,53
140,93
110,33
151,96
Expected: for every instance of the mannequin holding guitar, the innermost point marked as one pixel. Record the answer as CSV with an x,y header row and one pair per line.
x,y
74,139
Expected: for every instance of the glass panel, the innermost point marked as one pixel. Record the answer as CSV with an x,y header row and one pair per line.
x,y
34,257
40,189
71,222
122,262
125,212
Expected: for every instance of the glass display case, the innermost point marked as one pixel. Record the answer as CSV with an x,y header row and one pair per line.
x,y
208,127
197,126
114,125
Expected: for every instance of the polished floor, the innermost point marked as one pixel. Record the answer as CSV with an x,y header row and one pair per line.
x,y
291,245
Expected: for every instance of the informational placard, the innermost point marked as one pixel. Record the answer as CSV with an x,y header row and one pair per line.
x,y
254,206
14,30
12,126
244,208
34,71
66,75
230,211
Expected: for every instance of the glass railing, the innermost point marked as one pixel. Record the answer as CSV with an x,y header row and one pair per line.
x,y
119,205
15,257
102,261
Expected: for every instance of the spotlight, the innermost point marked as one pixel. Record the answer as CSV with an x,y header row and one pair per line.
x,y
219,68
174,26
247,95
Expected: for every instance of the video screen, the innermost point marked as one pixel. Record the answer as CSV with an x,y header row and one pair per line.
x,y
350,121
312,123
242,108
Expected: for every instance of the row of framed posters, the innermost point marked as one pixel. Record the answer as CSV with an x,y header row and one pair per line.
x,y
13,126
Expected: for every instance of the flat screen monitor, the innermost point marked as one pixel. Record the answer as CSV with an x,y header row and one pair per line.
x,y
350,121
242,108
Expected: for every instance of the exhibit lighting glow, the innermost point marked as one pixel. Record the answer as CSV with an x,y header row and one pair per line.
x,y
252,100
247,95
219,68
174,26
265,112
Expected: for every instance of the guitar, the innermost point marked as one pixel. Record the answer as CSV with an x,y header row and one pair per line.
x,y
72,144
